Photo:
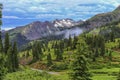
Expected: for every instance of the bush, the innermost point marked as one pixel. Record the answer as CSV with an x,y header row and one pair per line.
x,y
61,66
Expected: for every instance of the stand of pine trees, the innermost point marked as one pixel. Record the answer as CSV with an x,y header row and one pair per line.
x,y
8,53
37,51
11,52
2,59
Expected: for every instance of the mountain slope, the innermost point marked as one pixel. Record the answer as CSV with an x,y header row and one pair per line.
x,y
38,30
101,19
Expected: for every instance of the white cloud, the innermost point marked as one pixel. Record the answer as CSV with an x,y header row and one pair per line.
x,y
111,2
11,17
49,15
7,28
19,10
57,8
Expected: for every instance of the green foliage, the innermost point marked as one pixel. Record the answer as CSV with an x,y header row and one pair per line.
x,y
1,45
79,65
37,51
15,57
118,77
49,60
29,75
110,55
10,60
59,53
3,69
6,43
1,6
59,66
80,69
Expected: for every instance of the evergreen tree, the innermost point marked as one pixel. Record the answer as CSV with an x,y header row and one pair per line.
x,y
49,60
102,43
10,60
3,70
15,57
118,76
112,36
37,51
1,7
59,54
1,45
74,42
79,67
34,53
96,52
69,42
6,43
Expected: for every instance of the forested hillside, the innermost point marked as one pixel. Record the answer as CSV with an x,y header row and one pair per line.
x,y
93,55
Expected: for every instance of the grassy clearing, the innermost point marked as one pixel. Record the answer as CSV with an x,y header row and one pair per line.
x,y
97,74
29,75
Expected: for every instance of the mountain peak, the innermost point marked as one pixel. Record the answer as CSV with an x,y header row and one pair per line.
x,y
118,8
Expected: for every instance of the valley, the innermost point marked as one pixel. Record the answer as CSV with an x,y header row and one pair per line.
x,y
62,49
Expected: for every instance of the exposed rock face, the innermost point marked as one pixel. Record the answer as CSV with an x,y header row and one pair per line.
x,y
37,29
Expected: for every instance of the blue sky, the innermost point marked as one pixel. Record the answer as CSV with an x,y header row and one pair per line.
x,y
21,12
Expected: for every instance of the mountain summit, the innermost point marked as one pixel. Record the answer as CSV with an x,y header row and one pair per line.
x,y
118,8
38,30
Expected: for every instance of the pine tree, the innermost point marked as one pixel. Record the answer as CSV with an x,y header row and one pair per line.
x,y
69,42
112,36
96,52
1,7
1,45
37,51
59,54
6,43
3,69
102,47
49,60
10,60
75,42
118,77
15,57
79,67
35,57
2,58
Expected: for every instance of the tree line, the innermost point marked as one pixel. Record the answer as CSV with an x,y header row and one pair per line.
x,y
8,53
